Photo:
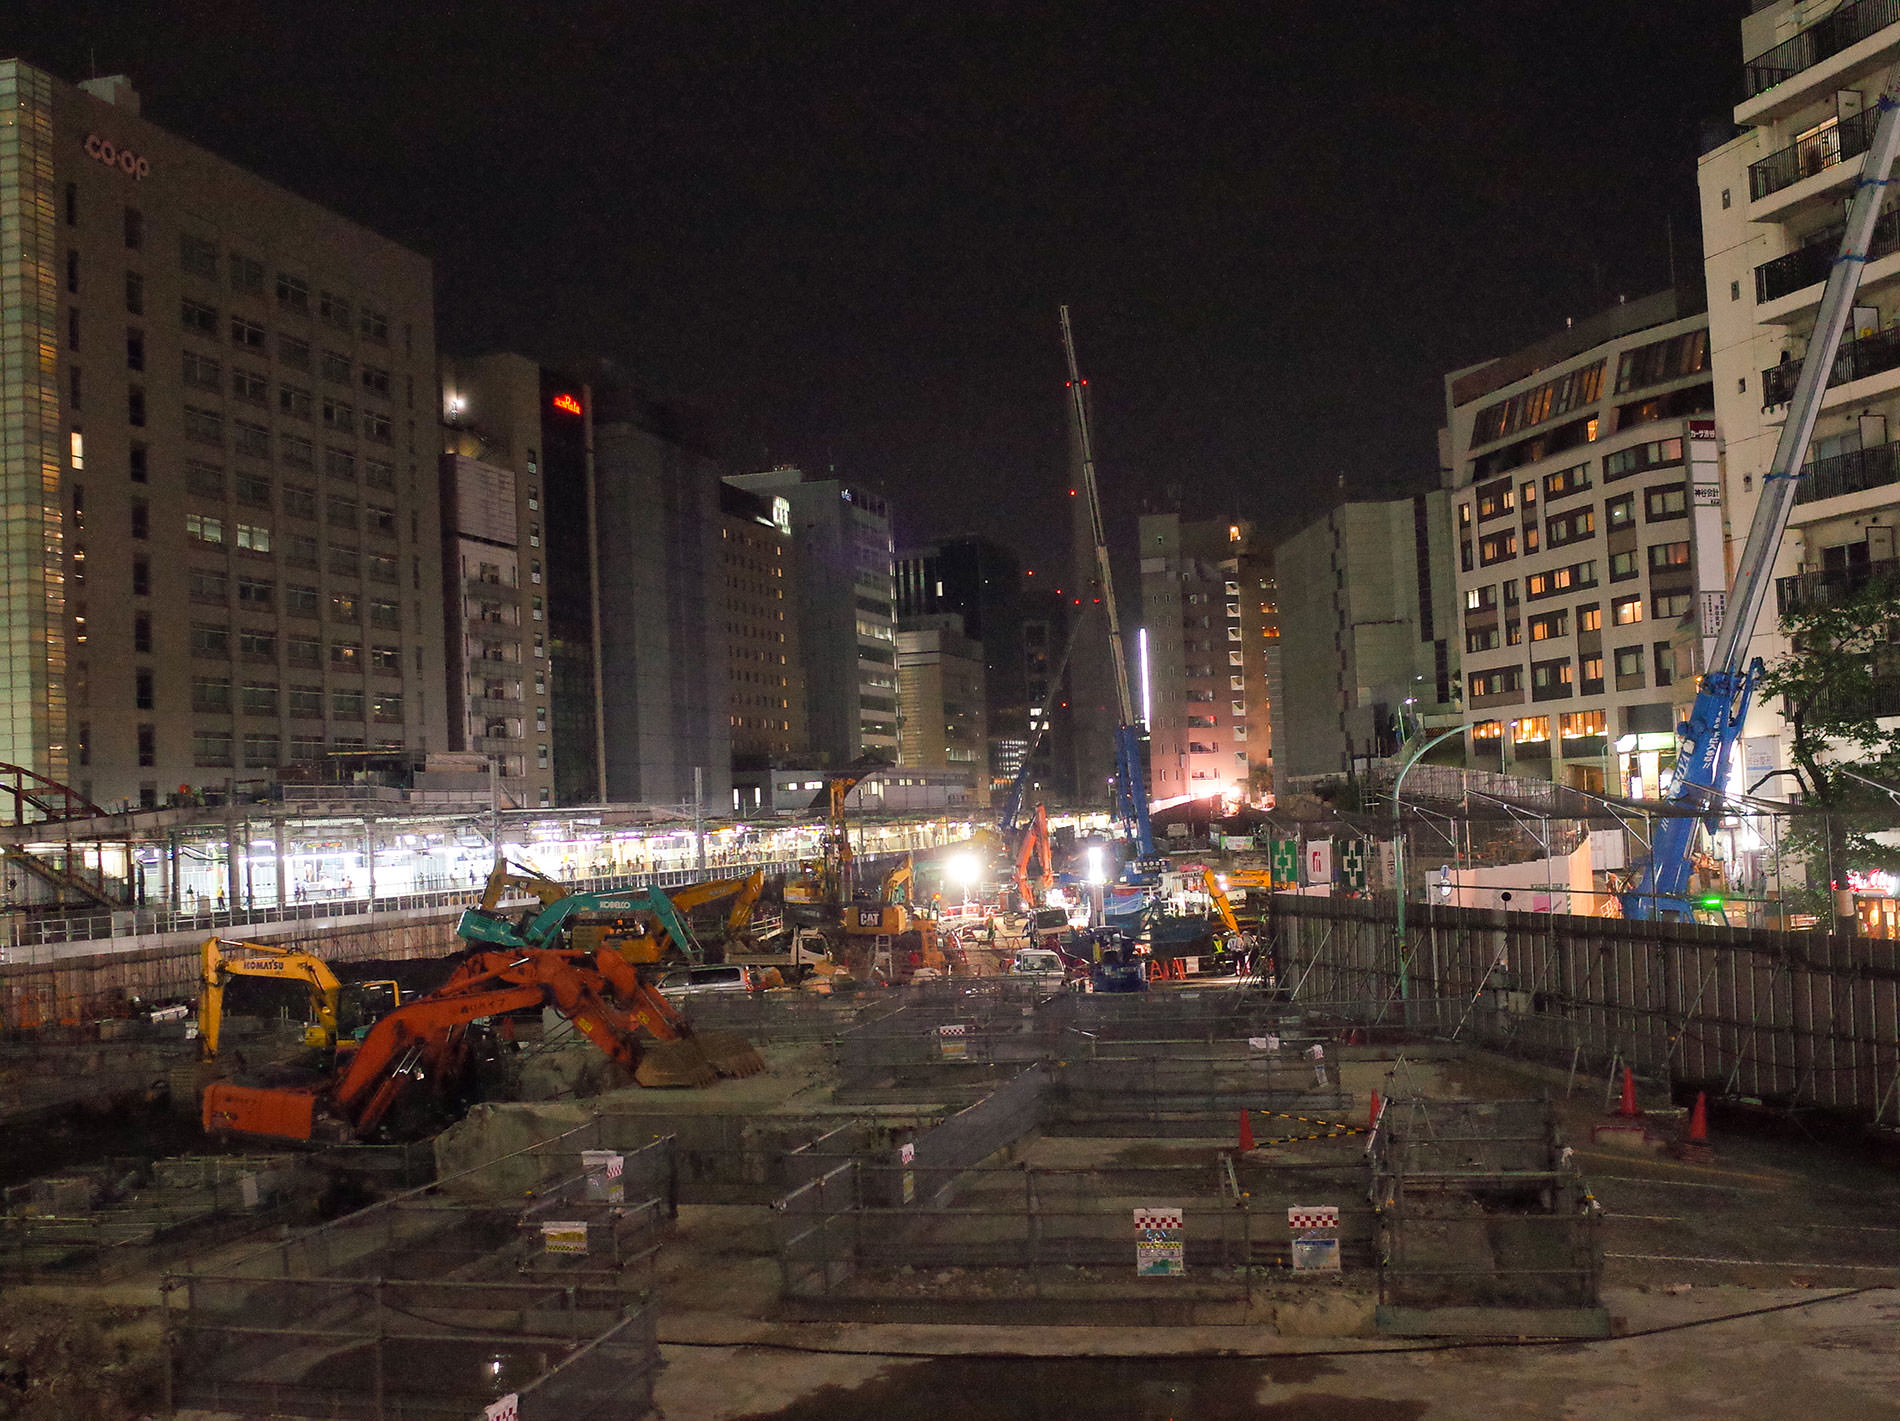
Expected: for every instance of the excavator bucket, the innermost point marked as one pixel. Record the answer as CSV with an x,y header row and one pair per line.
x,y
674,1063
730,1053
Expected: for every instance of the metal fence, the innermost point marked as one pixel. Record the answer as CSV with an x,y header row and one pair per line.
x,y
438,1301
1800,1019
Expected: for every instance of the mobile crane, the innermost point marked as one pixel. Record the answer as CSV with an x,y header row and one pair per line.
x,y
1131,791
1705,743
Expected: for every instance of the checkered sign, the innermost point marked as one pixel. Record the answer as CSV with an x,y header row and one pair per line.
x,y
1146,1219
1313,1217
952,1042
955,1029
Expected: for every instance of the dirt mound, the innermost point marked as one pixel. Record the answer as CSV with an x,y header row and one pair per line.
x,y
103,1364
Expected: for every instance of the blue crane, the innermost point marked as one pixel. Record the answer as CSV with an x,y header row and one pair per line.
x,y
1705,742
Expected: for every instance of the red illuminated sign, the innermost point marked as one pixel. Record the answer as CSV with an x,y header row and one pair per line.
x,y
567,404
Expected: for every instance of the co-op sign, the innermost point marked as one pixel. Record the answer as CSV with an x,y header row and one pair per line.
x,y
113,156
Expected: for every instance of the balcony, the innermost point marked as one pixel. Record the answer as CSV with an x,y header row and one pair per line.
x,y
1856,360
1833,35
1815,154
491,590
1831,585
1810,264
1842,474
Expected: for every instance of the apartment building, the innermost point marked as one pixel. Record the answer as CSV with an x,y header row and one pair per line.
x,y
942,716
1587,516
1773,200
218,447
1209,621
847,621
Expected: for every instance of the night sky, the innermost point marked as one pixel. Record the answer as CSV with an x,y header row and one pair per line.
x,y
842,230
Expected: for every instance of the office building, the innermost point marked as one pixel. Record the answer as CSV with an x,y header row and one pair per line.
x,y
942,719
1208,621
219,457
1588,525
1364,597
1772,202
847,622
767,673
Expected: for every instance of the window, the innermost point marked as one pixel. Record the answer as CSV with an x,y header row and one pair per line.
x,y
346,705
300,550
205,527
1550,626
1495,499
254,645
256,593
74,394
382,523
199,318
260,749
76,449
373,325
1671,359
211,695
1626,611
141,519
1665,658
144,697
210,640
336,367
141,577
379,475
386,659
303,651
1497,547
72,271
296,451
1620,512
72,204
340,511
339,416
300,502
304,747
385,614
1639,457
1661,503
382,568
343,608
293,352
247,274
340,464
1670,606
1532,729
387,709
1498,682
1574,724
208,585
142,633
250,439
140,463
1565,482
299,601
201,372
1591,675
253,537
1550,679
253,489
204,426
197,256
211,747
306,702
205,480
376,381
247,335
1481,599
377,426
1629,666
345,562
293,294
134,348
148,745
1665,555
294,401
1572,527
334,311
1623,566
1590,617
251,386
347,655
1547,401
135,293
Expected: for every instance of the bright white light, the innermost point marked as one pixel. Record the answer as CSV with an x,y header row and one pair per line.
x,y
1097,874
1147,681
963,869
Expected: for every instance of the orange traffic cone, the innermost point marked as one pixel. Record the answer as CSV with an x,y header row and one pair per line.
x,y
1246,1131
1628,1108
1699,1119
1372,1119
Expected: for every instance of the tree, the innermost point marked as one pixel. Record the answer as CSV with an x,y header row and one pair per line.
x,y
1837,684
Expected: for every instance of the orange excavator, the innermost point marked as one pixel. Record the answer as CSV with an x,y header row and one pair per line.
x,y
1035,845
422,1053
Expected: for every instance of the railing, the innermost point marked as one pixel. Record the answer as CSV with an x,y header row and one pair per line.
x,y
1816,153
1870,355
1826,38
1831,585
1807,265
1854,472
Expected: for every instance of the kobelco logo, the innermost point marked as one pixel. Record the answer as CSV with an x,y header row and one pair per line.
x,y
113,156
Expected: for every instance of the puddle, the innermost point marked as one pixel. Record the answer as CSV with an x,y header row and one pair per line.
x,y
1124,1389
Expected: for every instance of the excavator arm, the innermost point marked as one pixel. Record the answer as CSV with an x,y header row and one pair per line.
x,y
1221,905
1034,846
220,961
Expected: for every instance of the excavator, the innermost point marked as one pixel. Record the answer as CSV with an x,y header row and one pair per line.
x,y
1035,846
336,1009
421,1056
816,897
744,892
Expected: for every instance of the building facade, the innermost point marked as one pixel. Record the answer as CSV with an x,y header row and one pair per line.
x,y
1587,515
1208,612
767,675
1772,202
943,719
219,457
847,622
1365,597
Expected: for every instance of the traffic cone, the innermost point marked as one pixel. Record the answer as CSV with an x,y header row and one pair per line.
x,y
1699,1119
1372,1117
1628,1108
1246,1131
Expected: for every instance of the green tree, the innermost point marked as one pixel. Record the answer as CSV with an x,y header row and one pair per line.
x,y
1840,677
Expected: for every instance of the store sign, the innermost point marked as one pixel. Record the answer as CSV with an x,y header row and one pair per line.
x,y
113,156
567,404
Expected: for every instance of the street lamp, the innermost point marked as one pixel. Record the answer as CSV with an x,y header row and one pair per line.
x,y
964,869
1398,857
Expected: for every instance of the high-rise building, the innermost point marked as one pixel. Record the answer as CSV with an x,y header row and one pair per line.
x,y
847,622
1364,597
496,573
218,449
1772,201
759,573
1208,615
1588,527
942,712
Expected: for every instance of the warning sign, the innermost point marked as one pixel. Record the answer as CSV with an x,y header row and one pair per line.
x,y
953,1042
1315,1230
506,1409
566,1236
1159,1249
603,1169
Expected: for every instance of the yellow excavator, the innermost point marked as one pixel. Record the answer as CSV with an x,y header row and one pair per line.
x,y
744,893
336,1009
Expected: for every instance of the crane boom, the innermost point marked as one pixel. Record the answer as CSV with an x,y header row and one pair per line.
x,y
1706,740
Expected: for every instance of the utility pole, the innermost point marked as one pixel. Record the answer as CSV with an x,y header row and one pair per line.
x,y
699,817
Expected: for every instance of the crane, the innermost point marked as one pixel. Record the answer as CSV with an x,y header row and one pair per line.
x,y
1705,742
1131,790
